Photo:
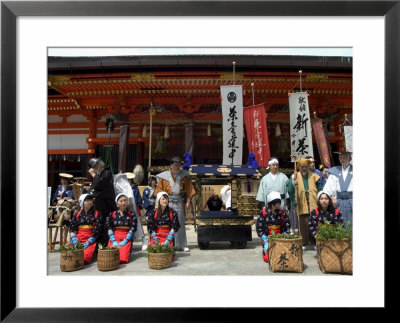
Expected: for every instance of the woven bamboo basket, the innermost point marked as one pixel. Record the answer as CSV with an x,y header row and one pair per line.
x,y
107,259
285,255
160,260
335,256
71,260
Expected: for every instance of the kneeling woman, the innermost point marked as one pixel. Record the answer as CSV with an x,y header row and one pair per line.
x,y
324,212
86,227
163,222
121,225
271,219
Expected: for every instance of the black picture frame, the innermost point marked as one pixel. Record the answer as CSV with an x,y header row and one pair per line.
x,y
10,10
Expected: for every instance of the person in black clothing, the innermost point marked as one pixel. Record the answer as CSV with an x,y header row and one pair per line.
x,y
324,212
121,226
271,219
102,189
86,226
163,222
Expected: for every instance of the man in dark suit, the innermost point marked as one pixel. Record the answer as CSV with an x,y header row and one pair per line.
x,y
102,189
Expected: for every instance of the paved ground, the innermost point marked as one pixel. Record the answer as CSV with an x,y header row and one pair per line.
x,y
219,259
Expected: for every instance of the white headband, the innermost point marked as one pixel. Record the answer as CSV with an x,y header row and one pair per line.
x,y
273,161
118,196
322,192
82,199
159,196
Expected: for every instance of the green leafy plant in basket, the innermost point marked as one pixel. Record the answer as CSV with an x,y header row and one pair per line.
x,y
160,248
72,248
106,248
283,236
334,231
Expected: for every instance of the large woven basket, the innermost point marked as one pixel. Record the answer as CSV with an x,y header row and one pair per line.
x,y
71,260
335,256
160,260
285,255
107,259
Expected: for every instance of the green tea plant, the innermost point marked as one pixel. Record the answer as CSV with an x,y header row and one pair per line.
x,y
160,248
106,248
283,236
72,248
334,231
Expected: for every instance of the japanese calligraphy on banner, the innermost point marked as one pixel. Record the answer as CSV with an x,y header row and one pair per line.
x,y
232,124
257,133
348,137
300,126
322,143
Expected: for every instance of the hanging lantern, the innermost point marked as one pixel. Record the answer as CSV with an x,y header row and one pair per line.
x,y
166,132
79,158
65,157
209,130
144,131
49,158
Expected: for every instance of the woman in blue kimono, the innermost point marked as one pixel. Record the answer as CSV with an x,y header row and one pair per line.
x,y
64,190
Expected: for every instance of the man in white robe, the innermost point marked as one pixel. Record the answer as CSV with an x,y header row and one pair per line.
x,y
273,181
339,185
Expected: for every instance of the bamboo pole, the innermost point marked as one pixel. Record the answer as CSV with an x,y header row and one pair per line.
x,y
295,170
295,191
233,78
151,134
50,228
252,91
301,85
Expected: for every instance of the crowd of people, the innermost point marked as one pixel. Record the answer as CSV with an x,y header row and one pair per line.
x,y
109,219
299,204
288,205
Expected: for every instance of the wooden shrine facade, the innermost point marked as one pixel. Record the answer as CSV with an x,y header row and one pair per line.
x,y
83,91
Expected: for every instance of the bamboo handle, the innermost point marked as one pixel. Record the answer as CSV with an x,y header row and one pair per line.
x,y
295,186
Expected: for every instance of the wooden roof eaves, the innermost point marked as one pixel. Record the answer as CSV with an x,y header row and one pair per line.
x,y
203,61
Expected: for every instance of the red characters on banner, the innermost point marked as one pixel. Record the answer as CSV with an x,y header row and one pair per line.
x,y
257,133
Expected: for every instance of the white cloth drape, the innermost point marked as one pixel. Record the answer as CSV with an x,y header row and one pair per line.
x,y
300,126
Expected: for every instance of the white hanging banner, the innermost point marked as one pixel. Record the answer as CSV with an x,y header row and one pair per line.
x,y
232,124
300,126
348,137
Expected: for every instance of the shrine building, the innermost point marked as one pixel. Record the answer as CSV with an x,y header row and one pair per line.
x,y
178,98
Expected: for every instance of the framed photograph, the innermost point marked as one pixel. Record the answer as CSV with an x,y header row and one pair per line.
x,y
29,28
